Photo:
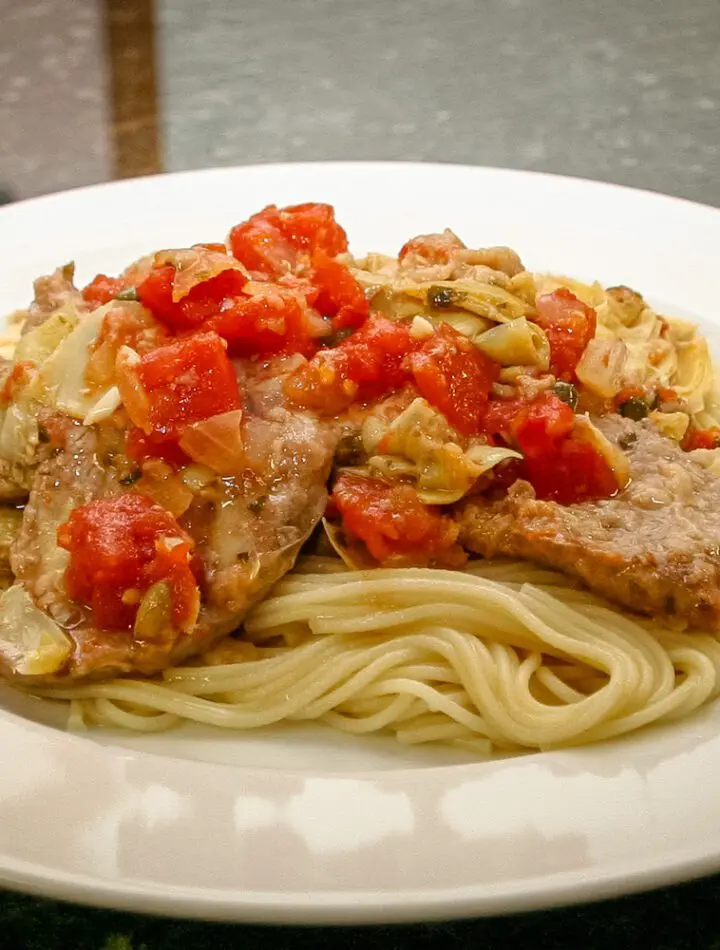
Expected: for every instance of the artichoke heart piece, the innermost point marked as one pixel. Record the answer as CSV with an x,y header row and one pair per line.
x,y
420,447
31,643
486,300
516,343
39,344
63,374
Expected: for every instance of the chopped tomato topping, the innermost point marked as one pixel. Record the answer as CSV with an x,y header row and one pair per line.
x,y
363,367
186,381
141,447
701,439
269,242
205,299
313,227
102,289
574,472
20,375
394,524
273,319
431,248
124,545
569,326
340,296
454,376
262,247
665,394
559,464
540,425
629,392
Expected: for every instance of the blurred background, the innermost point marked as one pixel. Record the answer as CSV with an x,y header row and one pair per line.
x,y
623,90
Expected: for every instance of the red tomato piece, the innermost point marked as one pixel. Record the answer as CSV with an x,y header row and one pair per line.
x,y
558,464
569,326
573,472
262,247
278,241
312,227
431,248
273,319
701,439
538,426
186,381
141,447
102,289
340,296
455,377
120,544
394,524
360,369
202,301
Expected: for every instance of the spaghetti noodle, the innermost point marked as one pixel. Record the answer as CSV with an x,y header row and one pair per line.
x,y
498,657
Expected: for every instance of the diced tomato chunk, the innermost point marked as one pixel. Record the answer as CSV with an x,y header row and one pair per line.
x,y
262,247
204,299
559,464
455,377
127,544
539,426
701,439
141,447
430,248
273,319
394,524
274,241
186,381
102,289
313,227
360,369
340,296
574,472
569,325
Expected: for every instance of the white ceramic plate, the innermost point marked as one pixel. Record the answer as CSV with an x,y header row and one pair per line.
x,y
303,824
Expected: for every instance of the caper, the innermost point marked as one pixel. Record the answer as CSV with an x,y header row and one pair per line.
x,y
440,298
130,477
350,450
567,392
627,440
634,408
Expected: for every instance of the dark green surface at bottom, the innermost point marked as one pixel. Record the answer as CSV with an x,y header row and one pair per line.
x,y
687,916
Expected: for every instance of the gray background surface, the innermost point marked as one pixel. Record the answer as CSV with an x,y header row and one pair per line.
x,y
621,90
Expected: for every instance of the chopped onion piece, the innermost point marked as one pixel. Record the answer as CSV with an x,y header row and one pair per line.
x,y
601,367
217,442
104,407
